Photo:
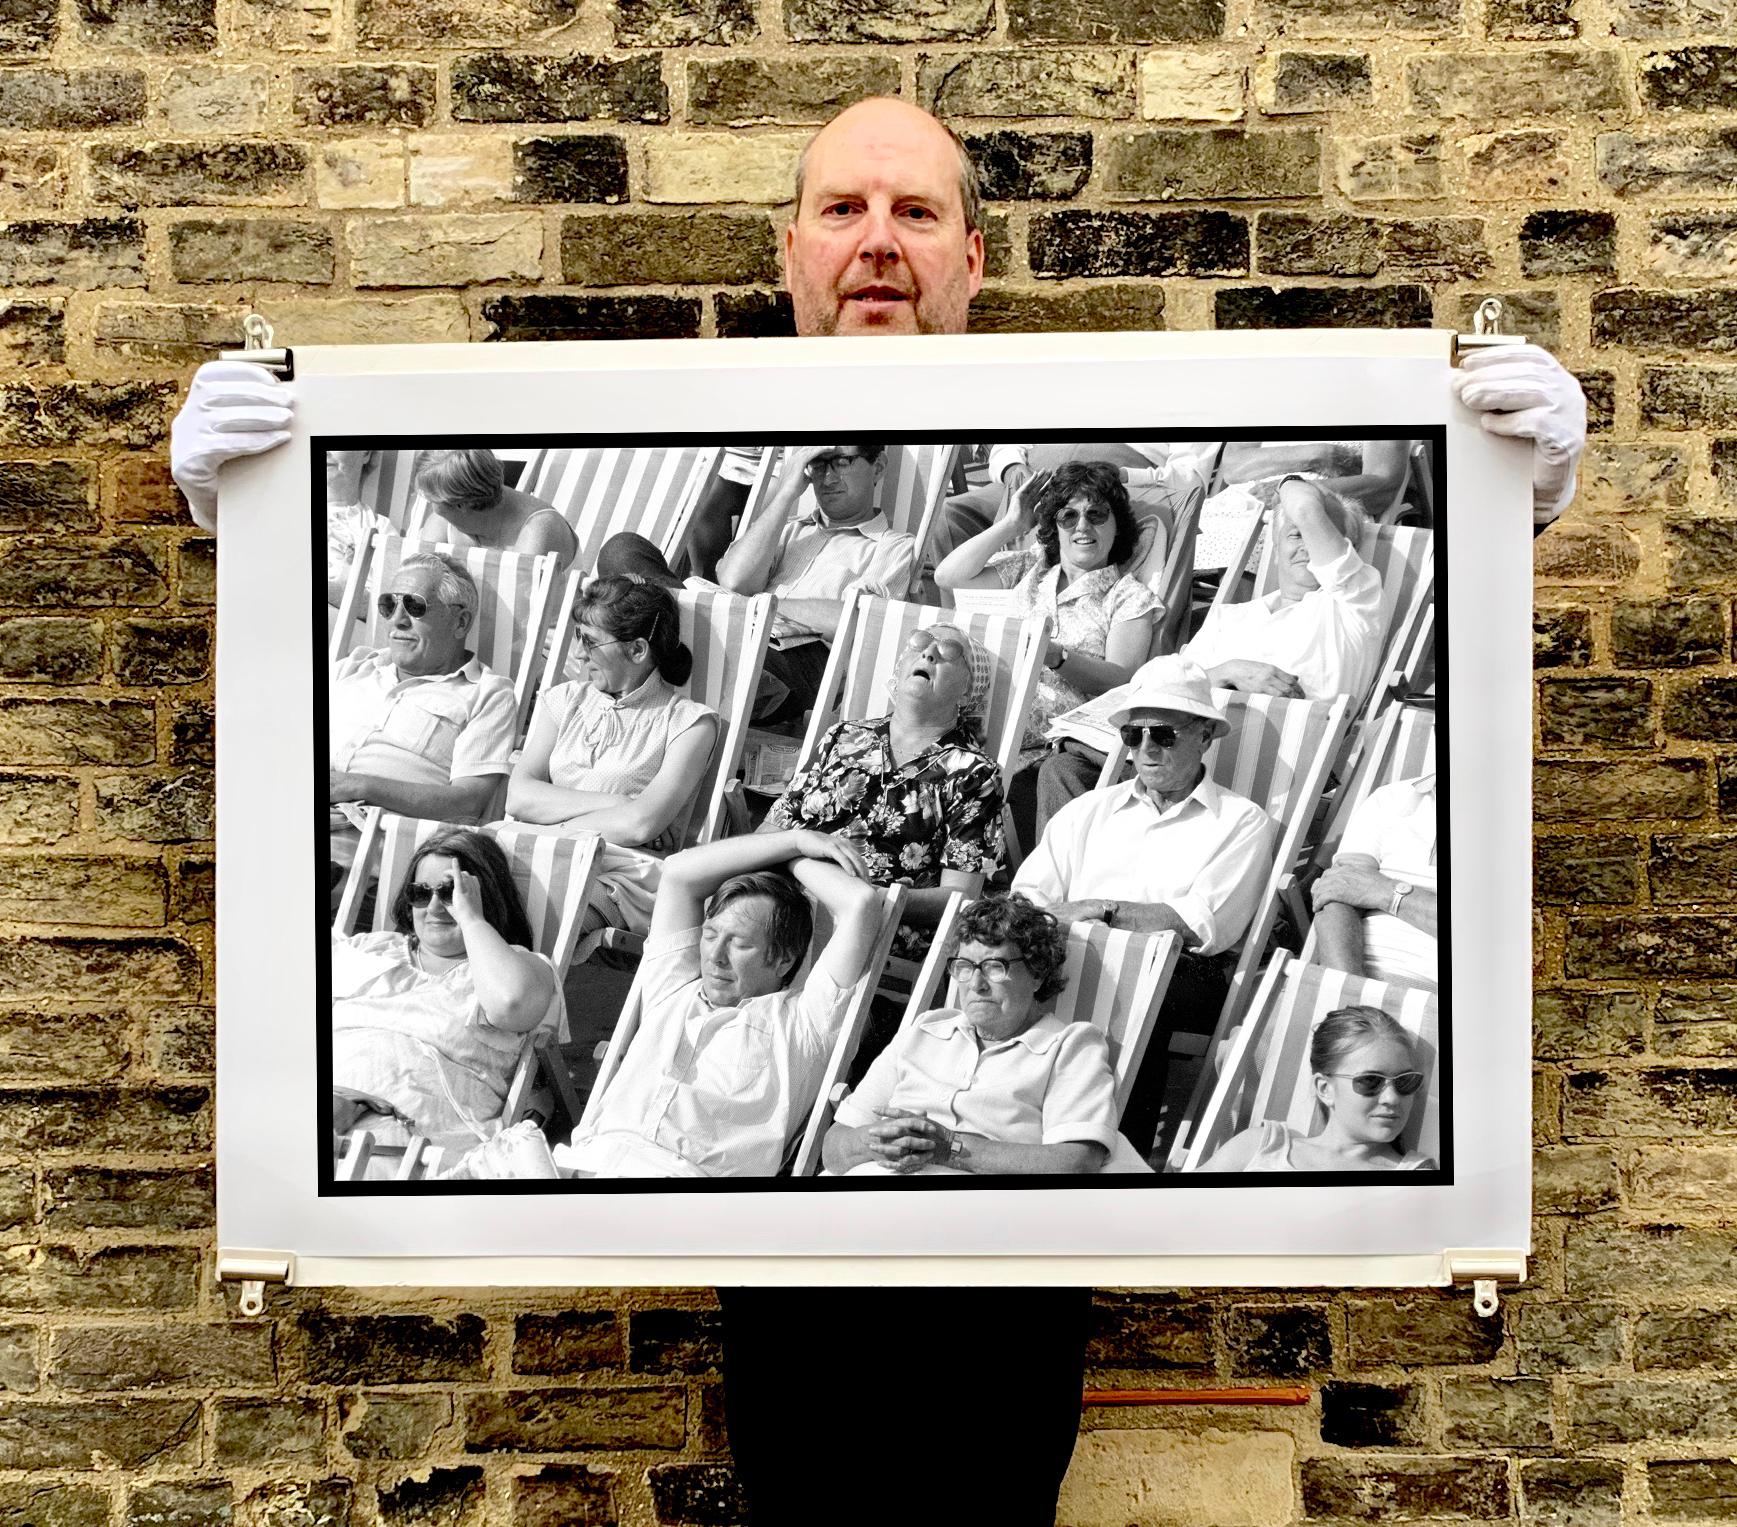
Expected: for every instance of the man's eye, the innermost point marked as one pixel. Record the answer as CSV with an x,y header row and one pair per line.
x,y
921,214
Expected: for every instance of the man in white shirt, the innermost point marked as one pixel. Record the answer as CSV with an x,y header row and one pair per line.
x,y
1375,907
418,726
729,1055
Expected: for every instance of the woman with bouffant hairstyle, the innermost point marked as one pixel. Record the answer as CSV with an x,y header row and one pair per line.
x,y
473,506
621,751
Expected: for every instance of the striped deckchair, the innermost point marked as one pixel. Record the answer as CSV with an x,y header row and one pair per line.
x,y
515,589
727,634
1266,1075
602,491
1164,561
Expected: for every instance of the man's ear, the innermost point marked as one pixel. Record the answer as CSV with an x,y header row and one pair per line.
x,y
463,620
974,258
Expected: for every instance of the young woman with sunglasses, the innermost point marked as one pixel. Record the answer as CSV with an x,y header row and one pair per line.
x,y
1367,1082
429,1020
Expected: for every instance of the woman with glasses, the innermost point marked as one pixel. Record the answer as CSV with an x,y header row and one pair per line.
x,y
621,751
467,492
1101,616
998,1084
1366,1077
429,1020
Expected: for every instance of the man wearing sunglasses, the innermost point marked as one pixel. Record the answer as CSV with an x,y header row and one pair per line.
x,y
418,726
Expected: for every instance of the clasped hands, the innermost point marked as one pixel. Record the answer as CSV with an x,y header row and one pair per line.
x,y
908,1142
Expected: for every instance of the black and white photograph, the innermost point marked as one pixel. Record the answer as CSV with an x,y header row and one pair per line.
x,y
882,813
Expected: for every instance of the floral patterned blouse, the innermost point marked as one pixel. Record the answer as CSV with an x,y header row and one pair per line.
x,y
938,811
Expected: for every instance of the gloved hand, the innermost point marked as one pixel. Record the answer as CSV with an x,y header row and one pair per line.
x,y
233,409
1525,392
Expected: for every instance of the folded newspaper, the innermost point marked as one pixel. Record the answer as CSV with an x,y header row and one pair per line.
x,y
1090,723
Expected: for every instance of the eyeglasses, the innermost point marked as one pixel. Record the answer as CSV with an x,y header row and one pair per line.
x,y
826,466
587,646
963,970
415,606
1161,736
1368,1084
951,650
1067,518
419,895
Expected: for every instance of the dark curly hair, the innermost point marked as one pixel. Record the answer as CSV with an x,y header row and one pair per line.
x,y
478,853
1099,481
630,609
1042,941
789,917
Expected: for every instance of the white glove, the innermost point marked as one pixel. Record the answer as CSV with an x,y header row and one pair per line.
x,y
233,409
1525,392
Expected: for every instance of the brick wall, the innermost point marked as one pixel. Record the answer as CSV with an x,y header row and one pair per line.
x,y
518,169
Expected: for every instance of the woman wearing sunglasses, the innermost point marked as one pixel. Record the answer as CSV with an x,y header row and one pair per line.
x,y
1100,616
1367,1080
429,1020
621,751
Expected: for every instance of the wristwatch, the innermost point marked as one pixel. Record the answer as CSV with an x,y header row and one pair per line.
x,y
955,1148
1111,908
1400,891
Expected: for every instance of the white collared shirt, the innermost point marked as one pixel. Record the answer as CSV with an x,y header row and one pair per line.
x,y
427,730
1207,857
1396,827
820,560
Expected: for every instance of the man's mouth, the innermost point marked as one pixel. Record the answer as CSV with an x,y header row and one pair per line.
x,y
877,294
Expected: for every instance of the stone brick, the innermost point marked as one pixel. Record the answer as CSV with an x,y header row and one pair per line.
x,y
648,249
302,1503
62,1279
1119,1474
715,167
36,808
180,1505
447,23
155,652
450,250
760,315
1567,244
888,20
1371,1415
162,1356
281,1430
19,1374
1692,247
1571,1180
68,888
1483,1413
208,98
381,1424
1723,454
359,173
1405,1489
1571,1492
145,1119
97,251
1701,551
84,413
1696,1021
1311,307
570,1342
1367,15
85,1046
32,177
1619,476
1651,1410
427,319
1689,869
1302,243
139,490
1094,309
1596,712
673,23
140,335
168,808
1703,320
1704,947
746,92
1279,1341
1184,164
1524,163
191,735
1191,85
1288,81
128,1434
1138,244
575,168
1485,86
675,1341
55,100
555,315
1569,870
1698,1338
193,897
1691,163
279,26
1578,551
127,1198
1650,1261
1704,708
1531,20
1693,1490
1388,167
697,1492
447,1498
459,170
1568,1338
363,95
1016,166
1064,82
50,649
1536,314
1600,389
391,1349
1660,1100
1422,1329
1148,1332
149,26
266,248
38,1503
522,87
76,732
1690,79
205,172
564,1495
573,1420
32,334
1561,638
28,28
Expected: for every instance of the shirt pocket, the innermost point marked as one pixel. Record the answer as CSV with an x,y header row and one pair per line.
x,y
425,733
736,1059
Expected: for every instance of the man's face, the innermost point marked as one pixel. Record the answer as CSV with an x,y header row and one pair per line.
x,y
432,642
844,483
879,243
735,961
1167,770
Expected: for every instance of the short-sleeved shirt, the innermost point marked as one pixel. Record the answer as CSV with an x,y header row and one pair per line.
x,y
427,730
1047,1086
819,560
1330,638
1396,827
709,1091
615,743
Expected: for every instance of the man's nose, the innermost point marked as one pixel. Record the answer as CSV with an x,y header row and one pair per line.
x,y
879,240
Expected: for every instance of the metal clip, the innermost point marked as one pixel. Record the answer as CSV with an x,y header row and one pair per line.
x,y
1484,1270
253,1270
257,336
1486,330
1484,1299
